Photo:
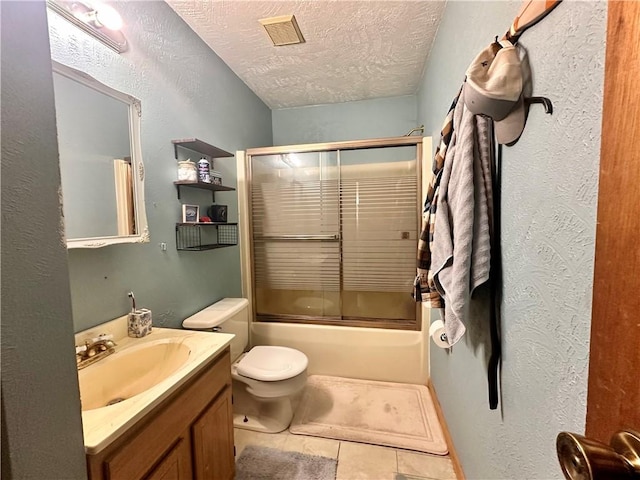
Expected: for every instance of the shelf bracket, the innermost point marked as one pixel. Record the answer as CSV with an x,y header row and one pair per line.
x,y
175,152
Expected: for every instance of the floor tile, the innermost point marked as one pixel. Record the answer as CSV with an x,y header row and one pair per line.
x,y
324,447
424,465
242,438
402,476
357,461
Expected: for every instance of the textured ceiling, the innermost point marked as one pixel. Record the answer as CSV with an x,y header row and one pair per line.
x,y
354,50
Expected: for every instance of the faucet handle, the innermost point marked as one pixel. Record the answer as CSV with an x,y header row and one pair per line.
x,y
103,340
103,337
80,353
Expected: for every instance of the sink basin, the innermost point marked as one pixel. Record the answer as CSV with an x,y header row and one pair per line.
x,y
139,376
130,372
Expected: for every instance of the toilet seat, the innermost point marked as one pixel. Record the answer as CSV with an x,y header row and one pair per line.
x,y
272,364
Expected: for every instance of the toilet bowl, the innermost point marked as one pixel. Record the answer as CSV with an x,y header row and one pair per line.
x,y
266,379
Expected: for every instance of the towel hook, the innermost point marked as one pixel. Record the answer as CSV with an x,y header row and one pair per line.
x,y
548,106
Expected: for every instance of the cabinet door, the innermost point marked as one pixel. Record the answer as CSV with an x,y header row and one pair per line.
x,y
212,436
176,465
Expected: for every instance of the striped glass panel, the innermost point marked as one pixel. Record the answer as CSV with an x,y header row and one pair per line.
x,y
379,233
297,265
335,234
296,221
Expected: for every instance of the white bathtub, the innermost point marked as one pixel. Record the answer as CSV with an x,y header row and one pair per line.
x,y
366,353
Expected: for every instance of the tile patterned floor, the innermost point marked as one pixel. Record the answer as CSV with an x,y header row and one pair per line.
x,y
356,461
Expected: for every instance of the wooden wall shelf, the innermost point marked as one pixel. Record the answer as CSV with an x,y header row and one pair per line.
x,y
212,187
200,147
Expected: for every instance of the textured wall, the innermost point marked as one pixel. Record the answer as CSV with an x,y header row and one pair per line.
x,y
382,117
41,425
186,91
549,200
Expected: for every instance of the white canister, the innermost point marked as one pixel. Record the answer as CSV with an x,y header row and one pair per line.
x,y
187,171
204,170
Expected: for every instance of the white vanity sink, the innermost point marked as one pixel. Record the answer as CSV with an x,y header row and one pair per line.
x,y
130,372
120,389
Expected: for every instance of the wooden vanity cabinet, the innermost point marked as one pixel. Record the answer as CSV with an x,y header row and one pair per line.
x,y
188,436
175,464
212,436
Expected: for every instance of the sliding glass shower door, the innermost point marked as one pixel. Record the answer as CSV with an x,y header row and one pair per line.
x,y
296,235
379,228
334,236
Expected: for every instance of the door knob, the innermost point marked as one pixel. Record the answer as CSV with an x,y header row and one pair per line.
x,y
583,458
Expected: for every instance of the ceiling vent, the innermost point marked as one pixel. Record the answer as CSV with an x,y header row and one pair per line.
x,y
283,30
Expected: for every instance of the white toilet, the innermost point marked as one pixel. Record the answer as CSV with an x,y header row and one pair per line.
x,y
266,379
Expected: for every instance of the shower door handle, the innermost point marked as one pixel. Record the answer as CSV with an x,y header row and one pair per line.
x,y
330,238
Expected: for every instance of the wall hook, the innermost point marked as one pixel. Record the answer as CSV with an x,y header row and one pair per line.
x,y
548,106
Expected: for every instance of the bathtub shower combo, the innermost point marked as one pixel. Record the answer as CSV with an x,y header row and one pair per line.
x,y
328,248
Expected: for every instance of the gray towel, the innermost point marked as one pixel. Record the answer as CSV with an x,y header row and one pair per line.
x,y
461,250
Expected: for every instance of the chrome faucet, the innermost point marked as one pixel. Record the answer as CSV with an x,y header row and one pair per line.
x,y
94,349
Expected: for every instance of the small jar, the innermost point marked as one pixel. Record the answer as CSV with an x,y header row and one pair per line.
x,y
187,171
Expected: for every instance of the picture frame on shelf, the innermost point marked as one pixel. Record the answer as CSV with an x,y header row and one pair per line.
x,y
190,213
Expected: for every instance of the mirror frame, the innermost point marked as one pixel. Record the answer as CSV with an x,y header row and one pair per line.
x,y
137,165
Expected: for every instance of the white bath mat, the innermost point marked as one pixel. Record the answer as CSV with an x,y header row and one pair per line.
x,y
382,413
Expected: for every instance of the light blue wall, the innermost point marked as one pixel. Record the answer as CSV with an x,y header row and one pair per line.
x,y
41,423
381,117
186,91
549,213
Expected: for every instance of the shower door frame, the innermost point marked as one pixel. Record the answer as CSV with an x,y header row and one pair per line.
x,y
246,215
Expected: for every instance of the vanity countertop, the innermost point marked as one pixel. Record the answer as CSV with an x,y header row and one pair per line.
x,y
101,426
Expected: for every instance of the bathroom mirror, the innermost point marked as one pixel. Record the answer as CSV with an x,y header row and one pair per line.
x,y
100,161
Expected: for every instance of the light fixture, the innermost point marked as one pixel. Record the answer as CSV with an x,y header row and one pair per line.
x,y
99,20
107,17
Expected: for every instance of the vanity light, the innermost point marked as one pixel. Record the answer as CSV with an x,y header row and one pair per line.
x,y
107,17
99,20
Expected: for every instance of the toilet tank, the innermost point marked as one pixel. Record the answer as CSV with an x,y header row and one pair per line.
x,y
229,315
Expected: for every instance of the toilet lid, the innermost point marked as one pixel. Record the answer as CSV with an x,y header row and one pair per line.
x,y
270,364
